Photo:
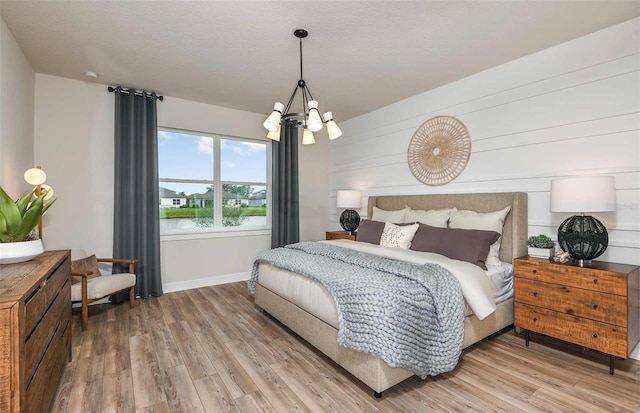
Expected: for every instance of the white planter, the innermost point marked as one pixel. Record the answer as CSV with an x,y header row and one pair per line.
x,y
541,252
12,252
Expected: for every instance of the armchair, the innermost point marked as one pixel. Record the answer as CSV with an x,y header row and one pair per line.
x,y
94,284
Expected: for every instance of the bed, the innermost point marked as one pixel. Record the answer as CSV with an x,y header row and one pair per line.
x,y
311,317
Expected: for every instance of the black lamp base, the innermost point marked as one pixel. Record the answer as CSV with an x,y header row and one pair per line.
x,y
583,237
349,220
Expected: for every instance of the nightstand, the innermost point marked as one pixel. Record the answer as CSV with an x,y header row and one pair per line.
x,y
340,235
595,307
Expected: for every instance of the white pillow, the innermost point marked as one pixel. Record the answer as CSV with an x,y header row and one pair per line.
x,y
389,216
488,221
397,236
435,218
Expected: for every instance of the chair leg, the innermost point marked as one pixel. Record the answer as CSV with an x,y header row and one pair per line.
x,y
132,296
85,315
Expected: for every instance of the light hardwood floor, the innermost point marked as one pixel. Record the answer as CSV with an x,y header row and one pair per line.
x,y
212,350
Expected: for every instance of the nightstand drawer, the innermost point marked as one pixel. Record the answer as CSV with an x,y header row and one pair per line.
x,y
607,308
340,235
603,337
580,277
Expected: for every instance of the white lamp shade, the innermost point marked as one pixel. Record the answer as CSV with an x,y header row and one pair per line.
x,y
583,194
314,123
332,129
275,135
307,137
348,199
272,122
35,176
47,190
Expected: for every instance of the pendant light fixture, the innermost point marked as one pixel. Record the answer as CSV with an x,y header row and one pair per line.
x,y
309,119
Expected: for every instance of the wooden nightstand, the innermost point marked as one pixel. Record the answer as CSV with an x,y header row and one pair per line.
x,y
340,235
595,307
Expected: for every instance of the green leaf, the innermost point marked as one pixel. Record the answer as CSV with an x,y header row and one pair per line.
x,y
4,235
30,219
11,212
44,209
23,202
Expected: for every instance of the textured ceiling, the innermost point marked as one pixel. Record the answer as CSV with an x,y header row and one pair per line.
x,y
359,55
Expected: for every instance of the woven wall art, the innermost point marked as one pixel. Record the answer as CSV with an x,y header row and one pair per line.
x,y
439,150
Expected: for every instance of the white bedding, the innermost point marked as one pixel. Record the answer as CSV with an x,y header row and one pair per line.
x,y
501,277
315,299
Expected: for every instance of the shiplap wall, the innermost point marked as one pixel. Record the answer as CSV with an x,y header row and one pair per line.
x,y
569,110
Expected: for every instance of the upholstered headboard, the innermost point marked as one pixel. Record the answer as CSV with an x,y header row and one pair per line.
x,y
514,234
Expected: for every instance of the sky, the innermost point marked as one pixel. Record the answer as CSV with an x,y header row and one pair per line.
x,y
190,156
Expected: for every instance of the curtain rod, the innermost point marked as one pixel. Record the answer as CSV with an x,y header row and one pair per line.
x,y
136,92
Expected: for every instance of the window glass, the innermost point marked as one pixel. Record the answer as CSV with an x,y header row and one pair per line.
x,y
196,196
243,161
185,155
244,205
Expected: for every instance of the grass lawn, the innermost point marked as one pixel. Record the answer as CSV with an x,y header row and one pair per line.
x,y
168,213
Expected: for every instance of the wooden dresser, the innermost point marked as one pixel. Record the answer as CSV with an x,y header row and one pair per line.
x,y
596,307
35,331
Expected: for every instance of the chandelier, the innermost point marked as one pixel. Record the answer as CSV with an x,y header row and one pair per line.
x,y
309,119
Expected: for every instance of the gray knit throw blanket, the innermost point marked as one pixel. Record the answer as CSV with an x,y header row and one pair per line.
x,y
409,315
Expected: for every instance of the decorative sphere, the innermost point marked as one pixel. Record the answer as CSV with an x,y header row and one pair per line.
x,y
583,237
349,220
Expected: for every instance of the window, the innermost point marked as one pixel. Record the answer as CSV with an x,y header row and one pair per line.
x,y
212,182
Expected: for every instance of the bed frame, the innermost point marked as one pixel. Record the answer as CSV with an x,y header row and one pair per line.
x,y
371,370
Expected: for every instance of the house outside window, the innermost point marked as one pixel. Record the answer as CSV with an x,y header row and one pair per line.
x,y
212,183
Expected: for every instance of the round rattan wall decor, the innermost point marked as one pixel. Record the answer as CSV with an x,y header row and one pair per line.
x,y
439,150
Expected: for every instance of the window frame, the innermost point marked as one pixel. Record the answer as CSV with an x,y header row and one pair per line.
x,y
218,230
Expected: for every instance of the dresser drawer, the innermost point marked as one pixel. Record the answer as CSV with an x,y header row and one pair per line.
x,y
603,337
39,393
580,277
41,299
607,308
58,314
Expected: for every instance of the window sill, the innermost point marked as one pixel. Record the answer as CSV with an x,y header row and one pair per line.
x,y
184,236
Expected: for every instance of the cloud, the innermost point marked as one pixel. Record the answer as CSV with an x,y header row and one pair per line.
x,y
247,148
205,145
228,164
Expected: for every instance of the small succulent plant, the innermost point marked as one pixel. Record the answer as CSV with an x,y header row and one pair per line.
x,y
19,218
540,241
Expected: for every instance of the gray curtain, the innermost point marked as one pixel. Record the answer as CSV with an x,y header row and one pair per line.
x,y
136,230
285,227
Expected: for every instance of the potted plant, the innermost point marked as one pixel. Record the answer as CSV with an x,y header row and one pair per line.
x,y
541,246
18,240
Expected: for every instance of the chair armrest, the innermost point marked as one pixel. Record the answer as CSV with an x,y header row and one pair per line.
x,y
130,261
119,260
81,274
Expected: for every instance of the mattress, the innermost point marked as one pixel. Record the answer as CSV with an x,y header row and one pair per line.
x,y
312,297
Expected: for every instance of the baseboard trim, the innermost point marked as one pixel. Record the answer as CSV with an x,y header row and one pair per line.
x,y
205,282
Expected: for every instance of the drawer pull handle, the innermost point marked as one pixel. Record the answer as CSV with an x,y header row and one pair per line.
x,y
595,335
595,306
535,271
535,319
595,281
535,293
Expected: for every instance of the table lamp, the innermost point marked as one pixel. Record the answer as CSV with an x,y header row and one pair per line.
x,y
349,219
583,236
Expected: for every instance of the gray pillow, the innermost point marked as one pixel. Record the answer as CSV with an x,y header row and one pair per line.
x,y
371,231
470,245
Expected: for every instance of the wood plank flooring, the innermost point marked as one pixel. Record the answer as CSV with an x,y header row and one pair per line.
x,y
212,350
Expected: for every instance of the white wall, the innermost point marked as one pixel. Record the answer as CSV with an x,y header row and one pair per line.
x,y
568,110
16,114
571,109
74,144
